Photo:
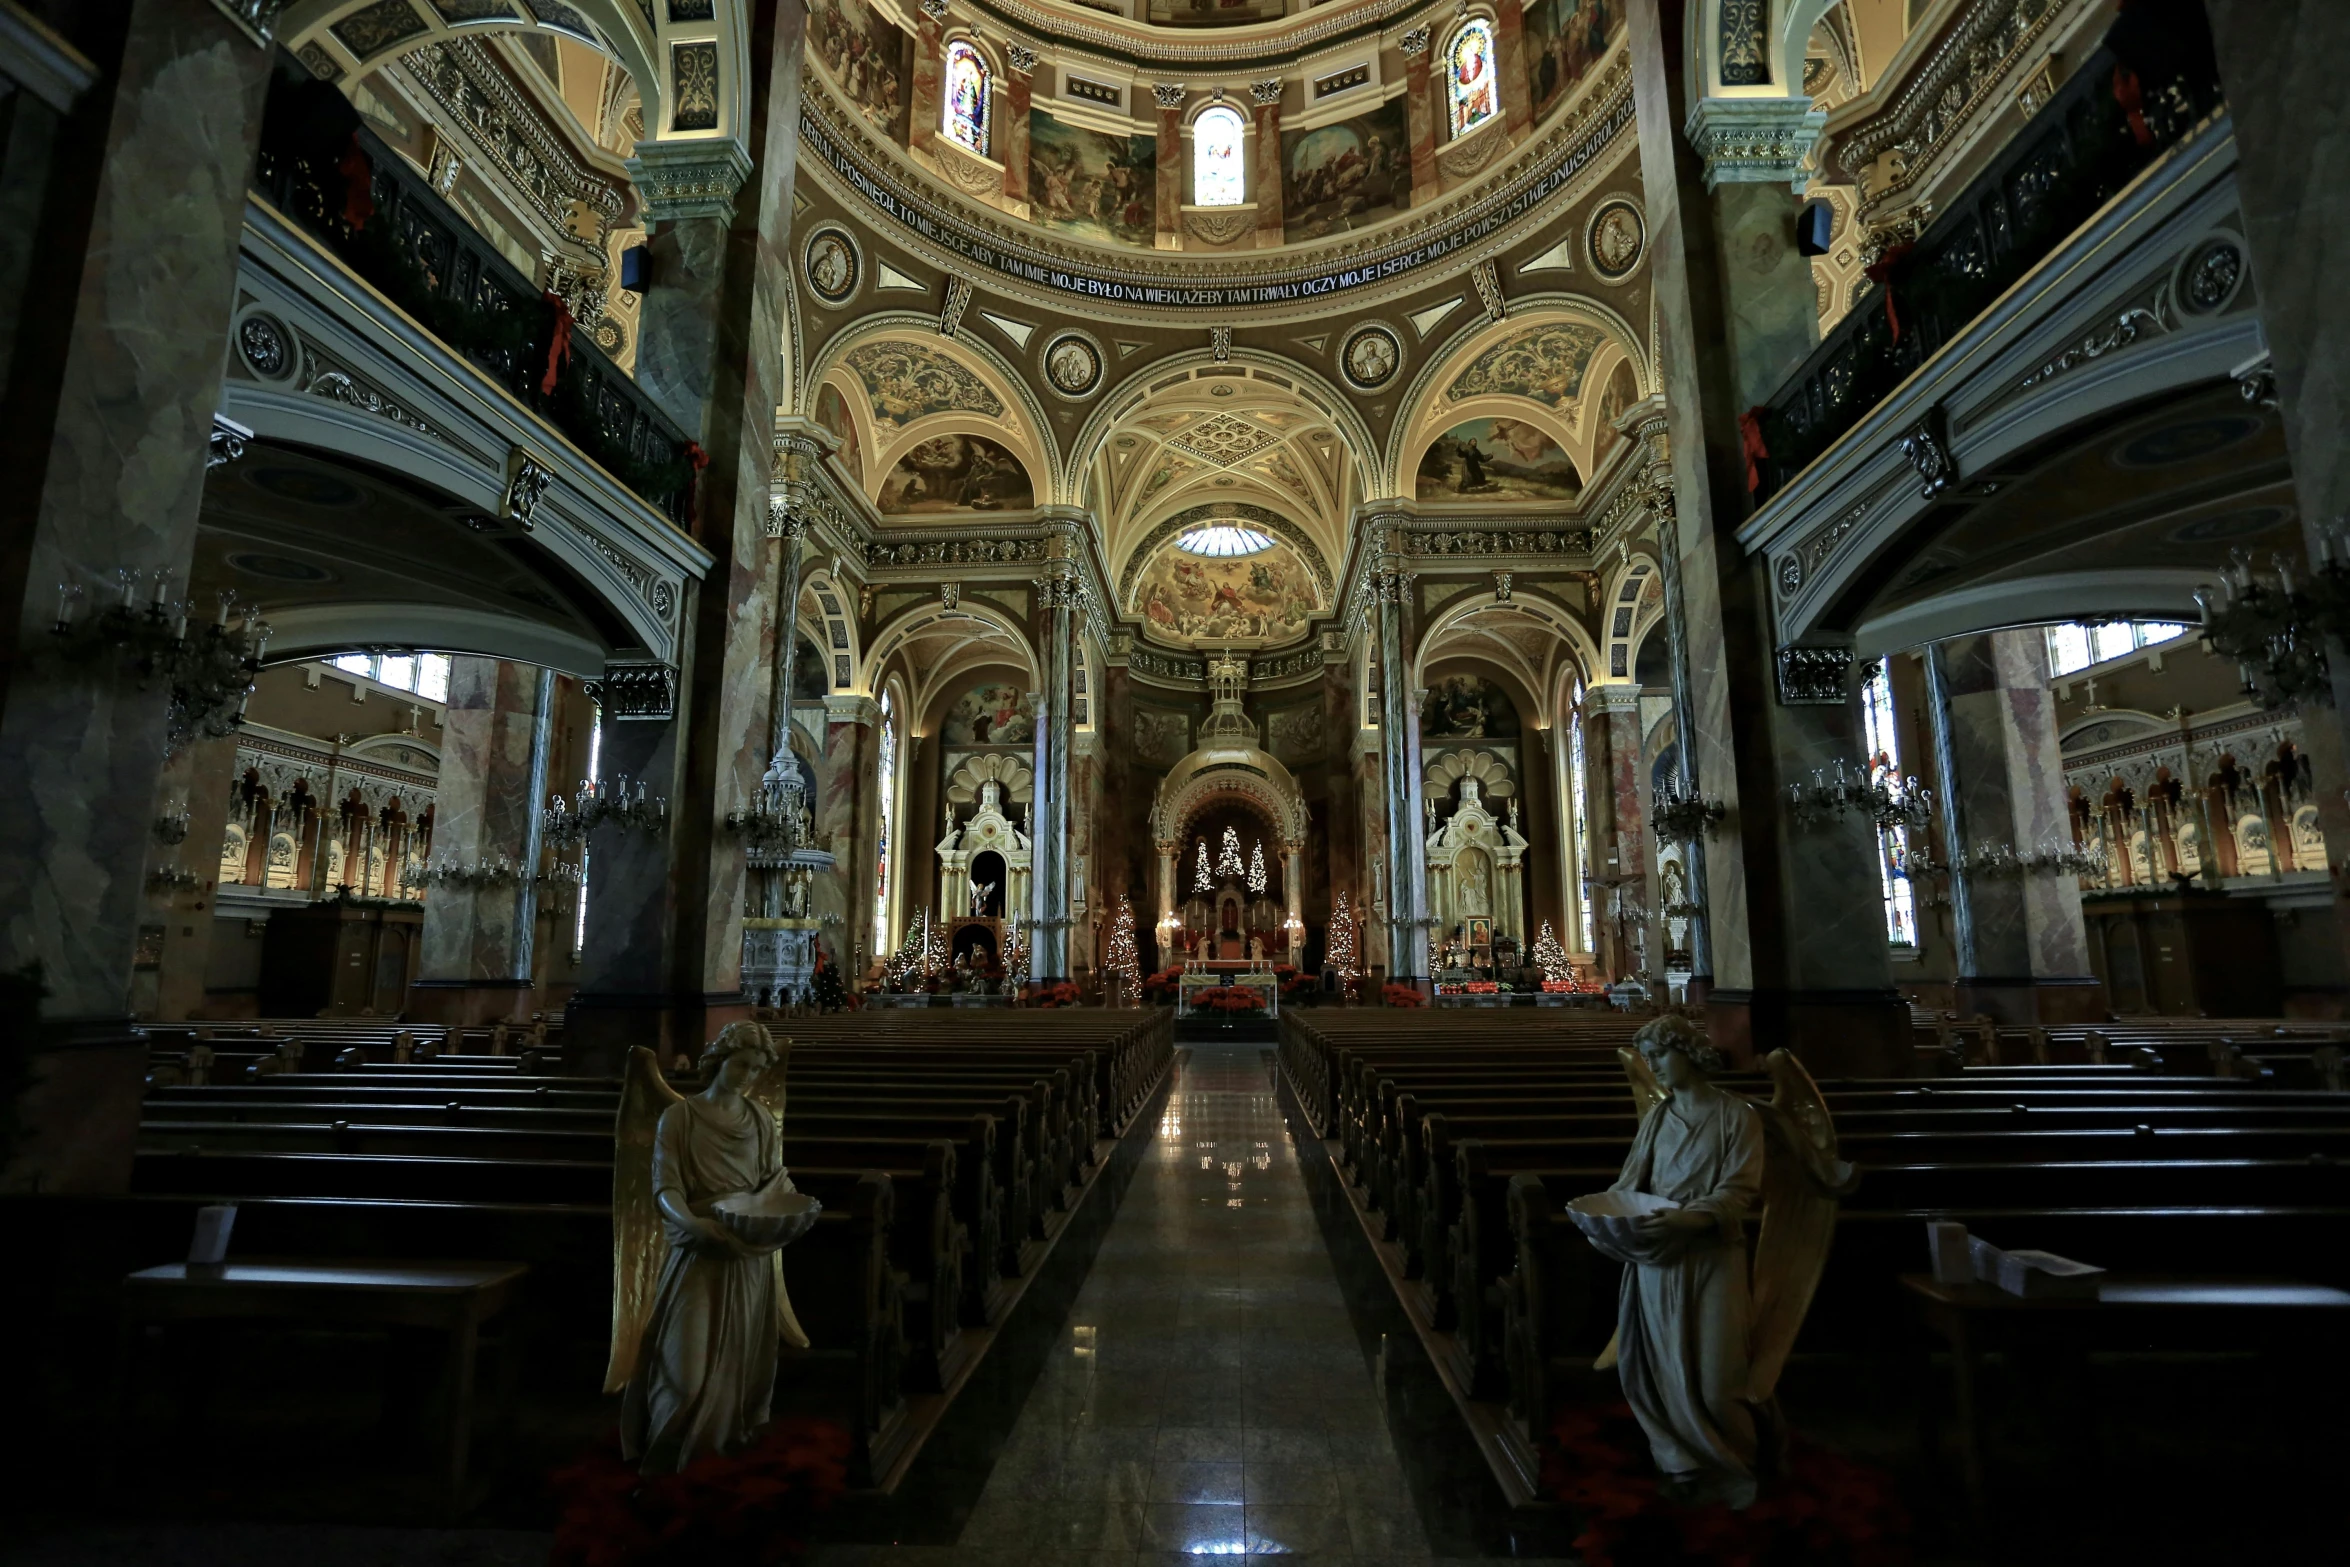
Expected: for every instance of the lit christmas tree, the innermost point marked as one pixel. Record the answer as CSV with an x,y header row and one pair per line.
x,y
1551,958
1120,960
902,964
938,953
1015,954
826,993
1205,881
1339,944
1256,867
1228,863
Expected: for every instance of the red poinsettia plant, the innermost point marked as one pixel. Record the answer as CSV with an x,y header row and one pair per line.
x,y
1164,985
1820,1510
1230,998
1063,994
1402,996
758,1506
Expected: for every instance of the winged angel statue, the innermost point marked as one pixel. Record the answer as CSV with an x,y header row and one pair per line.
x,y
1701,1332
701,1209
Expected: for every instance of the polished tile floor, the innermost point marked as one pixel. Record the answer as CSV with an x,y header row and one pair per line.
x,y
1208,1395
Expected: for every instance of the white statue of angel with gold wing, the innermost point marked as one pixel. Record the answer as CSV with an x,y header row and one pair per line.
x,y
701,1208
1701,1332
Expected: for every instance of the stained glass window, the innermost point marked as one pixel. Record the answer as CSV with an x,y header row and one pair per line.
x,y
966,97
888,798
1216,179
1901,913
1472,85
1579,805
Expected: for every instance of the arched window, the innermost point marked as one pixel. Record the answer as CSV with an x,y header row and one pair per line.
x,y
1578,804
1901,913
1472,85
1216,169
887,796
966,97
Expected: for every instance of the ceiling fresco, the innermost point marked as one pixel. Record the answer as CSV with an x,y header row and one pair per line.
x,y
1544,363
1258,600
910,381
1487,460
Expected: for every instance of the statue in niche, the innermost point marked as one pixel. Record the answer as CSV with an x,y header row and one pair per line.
x,y
701,1207
1702,1331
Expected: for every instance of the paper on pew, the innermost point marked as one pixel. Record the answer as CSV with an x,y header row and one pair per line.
x,y
2042,1275
1946,1247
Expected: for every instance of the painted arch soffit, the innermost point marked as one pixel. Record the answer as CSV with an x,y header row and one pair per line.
x,y
691,64
1285,533
910,384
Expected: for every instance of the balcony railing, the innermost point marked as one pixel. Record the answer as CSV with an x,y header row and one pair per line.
x,y
339,183
2103,128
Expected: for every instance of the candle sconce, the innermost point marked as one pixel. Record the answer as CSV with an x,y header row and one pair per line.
x,y
171,829
1680,817
210,673
779,821
481,874
597,805
173,879
2275,628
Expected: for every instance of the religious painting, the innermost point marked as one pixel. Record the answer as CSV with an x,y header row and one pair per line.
x,y
866,57
995,714
1564,39
832,412
956,473
1161,736
1496,460
1295,734
1347,175
1096,186
809,682
1545,363
1467,707
910,381
1213,13
1238,601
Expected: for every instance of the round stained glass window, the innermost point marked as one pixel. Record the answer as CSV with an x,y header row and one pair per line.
x,y
1223,540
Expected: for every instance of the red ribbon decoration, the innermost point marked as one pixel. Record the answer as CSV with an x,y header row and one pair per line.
x,y
693,486
1750,435
1882,275
559,345
2132,97
358,172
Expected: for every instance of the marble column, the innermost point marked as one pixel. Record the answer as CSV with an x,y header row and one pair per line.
x,y
1796,953
2281,62
475,957
1012,124
2023,949
1420,116
1265,171
1056,597
1168,871
1292,888
1399,723
194,781
662,963
1170,97
929,64
789,528
1509,51
112,383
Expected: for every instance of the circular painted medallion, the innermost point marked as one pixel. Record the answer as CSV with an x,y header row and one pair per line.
x,y
1617,237
1073,364
833,265
1370,357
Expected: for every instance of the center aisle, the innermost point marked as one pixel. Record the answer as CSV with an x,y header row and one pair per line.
x,y
1208,1395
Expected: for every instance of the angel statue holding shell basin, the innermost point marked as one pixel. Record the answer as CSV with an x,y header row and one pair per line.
x,y
701,1209
1702,1328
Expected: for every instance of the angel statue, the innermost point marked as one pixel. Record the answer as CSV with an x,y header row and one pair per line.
x,y
701,1207
1702,1329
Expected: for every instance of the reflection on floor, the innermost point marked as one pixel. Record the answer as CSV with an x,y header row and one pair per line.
x,y
1208,1395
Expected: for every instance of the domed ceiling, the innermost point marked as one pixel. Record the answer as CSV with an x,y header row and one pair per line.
x,y
1227,576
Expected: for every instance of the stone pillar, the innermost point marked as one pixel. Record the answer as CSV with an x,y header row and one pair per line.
x,y
1509,50
662,963
1265,174
1012,123
1292,890
474,960
132,201
1048,851
1420,116
929,65
1399,722
788,528
1168,871
2276,58
2023,950
1170,96
1795,950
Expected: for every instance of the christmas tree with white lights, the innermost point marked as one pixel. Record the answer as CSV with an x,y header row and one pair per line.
x,y
1120,960
1551,958
1228,863
1256,867
1205,881
1339,943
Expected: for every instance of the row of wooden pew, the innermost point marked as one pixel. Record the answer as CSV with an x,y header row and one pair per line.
x,y
949,1154
202,1053
1461,1141
2297,1053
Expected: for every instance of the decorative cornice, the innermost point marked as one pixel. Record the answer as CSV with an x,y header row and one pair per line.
x,y
52,70
688,179
1020,57
1138,43
1756,141
1266,93
1414,42
1169,95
